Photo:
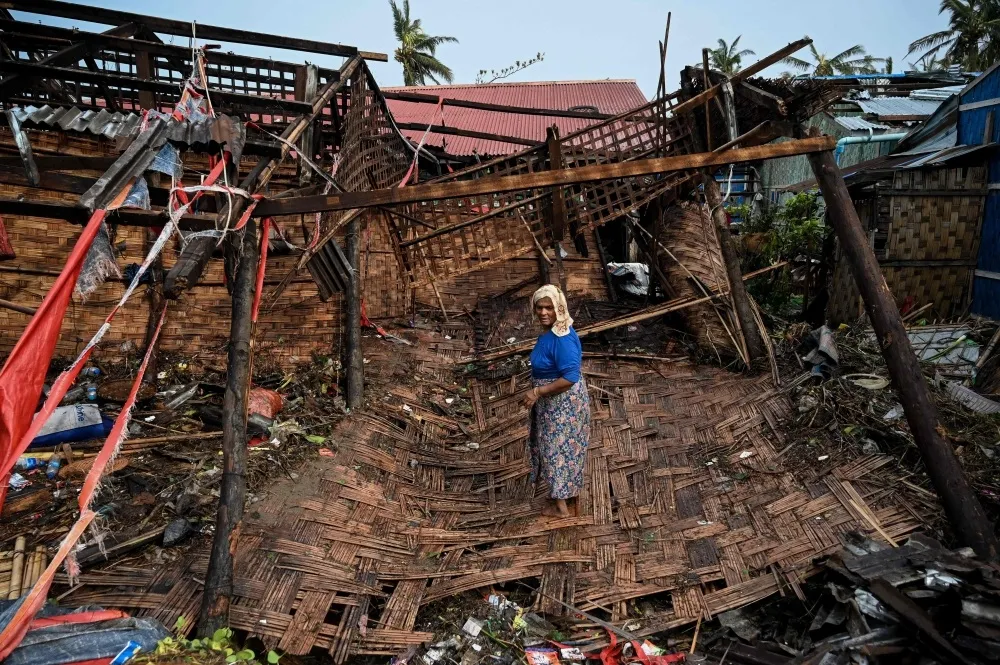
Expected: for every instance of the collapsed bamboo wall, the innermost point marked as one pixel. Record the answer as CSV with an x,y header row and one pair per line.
x,y
291,329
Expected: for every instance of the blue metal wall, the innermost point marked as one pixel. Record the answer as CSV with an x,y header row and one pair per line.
x,y
971,131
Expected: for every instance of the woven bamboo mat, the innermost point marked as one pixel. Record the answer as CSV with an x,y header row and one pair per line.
x,y
686,499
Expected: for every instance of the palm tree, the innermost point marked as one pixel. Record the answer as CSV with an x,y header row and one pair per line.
x,y
854,60
727,58
972,38
417,49
929,63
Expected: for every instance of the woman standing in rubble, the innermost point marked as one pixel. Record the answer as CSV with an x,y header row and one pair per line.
x,y
560,408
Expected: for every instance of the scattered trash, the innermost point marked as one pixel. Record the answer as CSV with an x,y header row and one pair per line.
x,y
868,381
77,422
473,626
970,399
746,453
823,355
572,653
17,481
176,532
894,414
823,458
541,656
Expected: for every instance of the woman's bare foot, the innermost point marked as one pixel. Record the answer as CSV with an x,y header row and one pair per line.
x,y
556,508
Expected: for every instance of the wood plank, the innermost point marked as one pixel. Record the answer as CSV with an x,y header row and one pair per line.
x,y
541,179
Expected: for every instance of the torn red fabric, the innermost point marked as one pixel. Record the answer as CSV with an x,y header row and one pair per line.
x,y
12,634
261,267
23,375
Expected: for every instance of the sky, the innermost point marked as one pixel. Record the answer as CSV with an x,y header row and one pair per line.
x,y
581,39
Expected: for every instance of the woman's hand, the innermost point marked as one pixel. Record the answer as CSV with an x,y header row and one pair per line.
x,y
531,397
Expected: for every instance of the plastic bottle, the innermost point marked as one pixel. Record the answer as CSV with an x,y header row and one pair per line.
x,y
28,463
91,371
73,396
91,393
52,470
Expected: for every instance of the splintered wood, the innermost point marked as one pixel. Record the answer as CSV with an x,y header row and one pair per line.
x,y
685,499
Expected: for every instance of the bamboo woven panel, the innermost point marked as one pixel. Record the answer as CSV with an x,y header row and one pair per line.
x,y
473,233
688,232
947,288
940,226
290,330
685,498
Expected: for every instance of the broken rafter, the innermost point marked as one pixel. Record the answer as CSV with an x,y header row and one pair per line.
x,y
37,33
456,131
528,181
183,28
129,82
71,54
483,106
122,216
189,267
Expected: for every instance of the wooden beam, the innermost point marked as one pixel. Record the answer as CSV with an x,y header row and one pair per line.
x,y
218,591
421,98
771,102
539,180
741,75
71,54
456,131
24,148
19,31
353,358
183,28
79,214
965,514
121,81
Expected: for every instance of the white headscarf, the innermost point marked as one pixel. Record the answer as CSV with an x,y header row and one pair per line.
x,y
563,319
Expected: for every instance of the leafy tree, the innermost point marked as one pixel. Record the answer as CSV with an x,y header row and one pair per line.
x,y
417,50
727,58
972,38
854,60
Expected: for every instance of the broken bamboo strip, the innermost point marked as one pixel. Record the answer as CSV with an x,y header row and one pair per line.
x,y
983,357
864,512
635,317
17,572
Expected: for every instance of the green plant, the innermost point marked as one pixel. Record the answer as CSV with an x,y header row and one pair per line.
x,y
215,648
793,231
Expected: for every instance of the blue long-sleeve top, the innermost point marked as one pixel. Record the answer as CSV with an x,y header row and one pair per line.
x,y
557,357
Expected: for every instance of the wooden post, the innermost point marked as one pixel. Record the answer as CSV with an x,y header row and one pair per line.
x,y
965,514
752,334
612,296
354,360
154,296
144,70
306,78
708,114
219,579
557,209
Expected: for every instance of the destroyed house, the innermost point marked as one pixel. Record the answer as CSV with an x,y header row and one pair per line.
x,y
174,159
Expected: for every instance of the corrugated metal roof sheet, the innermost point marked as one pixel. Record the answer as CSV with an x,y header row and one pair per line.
x,y
610,97
856,124
123,127
943,157
898,106
939,94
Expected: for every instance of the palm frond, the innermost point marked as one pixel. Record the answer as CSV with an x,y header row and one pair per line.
x,y
855,50
931,40
796,63
745,52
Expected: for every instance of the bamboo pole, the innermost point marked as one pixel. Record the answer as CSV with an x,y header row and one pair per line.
x,y
354,360
17,571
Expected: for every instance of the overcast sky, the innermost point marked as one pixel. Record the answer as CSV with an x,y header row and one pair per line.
x,y
581,39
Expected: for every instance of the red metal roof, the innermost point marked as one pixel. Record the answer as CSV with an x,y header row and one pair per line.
x,y
609,97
